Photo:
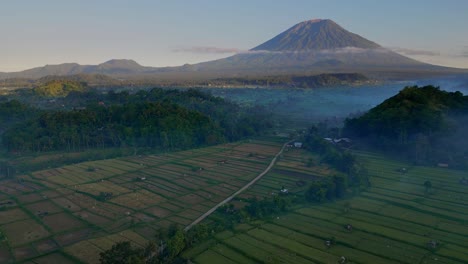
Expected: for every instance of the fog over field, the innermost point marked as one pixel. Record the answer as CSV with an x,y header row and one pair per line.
x,y
330,103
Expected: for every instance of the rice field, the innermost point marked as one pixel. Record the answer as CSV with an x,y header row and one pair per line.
x,y
76,211
394,221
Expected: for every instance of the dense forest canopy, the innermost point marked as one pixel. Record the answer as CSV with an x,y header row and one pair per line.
x,y
423,122
157,118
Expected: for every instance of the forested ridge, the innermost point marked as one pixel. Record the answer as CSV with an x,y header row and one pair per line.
x,y
423,123
301,81
168,119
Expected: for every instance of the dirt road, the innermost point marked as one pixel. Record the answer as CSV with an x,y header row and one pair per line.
x,y
272,163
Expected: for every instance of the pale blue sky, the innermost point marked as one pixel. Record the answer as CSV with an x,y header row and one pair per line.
x,y
167,33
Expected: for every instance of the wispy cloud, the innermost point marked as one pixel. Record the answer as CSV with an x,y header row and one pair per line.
x,y
219,50
464,52
208,50
345,50
415,52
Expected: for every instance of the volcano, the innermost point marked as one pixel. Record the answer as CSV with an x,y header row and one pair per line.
x,y
318,45
316,34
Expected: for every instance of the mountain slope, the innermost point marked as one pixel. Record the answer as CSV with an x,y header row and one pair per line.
x,y
315,34
318,45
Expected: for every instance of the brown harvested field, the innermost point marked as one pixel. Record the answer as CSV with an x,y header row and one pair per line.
x,y
88,250
166,171
12,215
98,187
25,252
51,194
133,237
29,198
112,165
7,204
45,206
25,231
191,199
189,214
205,194
119,224
74,236
24,186
158,211
66,204
61,180
117,210
5,255
157,189
83,201
46,245
165,223
198,181
216,191
186,184
146,160
10,191
171,206
168,185
53,258
145,218
201,208
91,218
61,222
146,231
103,243
84,251
180,220
138,200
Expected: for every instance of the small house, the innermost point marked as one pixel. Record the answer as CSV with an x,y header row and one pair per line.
x,y
298,144
442,165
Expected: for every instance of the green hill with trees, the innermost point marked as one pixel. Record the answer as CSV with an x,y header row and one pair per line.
x,y
425,123
57,88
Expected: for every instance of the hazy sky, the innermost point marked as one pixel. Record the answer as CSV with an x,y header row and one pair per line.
x,y
167,33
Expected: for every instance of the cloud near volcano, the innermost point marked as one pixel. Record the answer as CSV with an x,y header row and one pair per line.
x,y
208,50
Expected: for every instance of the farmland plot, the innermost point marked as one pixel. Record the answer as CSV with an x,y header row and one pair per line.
x,y
79,210
394,221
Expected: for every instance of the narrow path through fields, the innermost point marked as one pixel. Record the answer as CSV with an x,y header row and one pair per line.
x,y
205,215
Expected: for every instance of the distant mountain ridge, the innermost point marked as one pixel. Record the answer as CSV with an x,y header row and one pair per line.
x,y
310,47
111,67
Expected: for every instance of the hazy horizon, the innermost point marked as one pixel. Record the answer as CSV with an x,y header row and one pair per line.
x,y
175,33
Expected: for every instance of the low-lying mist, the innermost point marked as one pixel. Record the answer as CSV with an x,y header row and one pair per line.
x,y
331,104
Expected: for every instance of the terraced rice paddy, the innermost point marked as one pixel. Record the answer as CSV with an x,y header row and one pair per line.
x,y
393,221
74,212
